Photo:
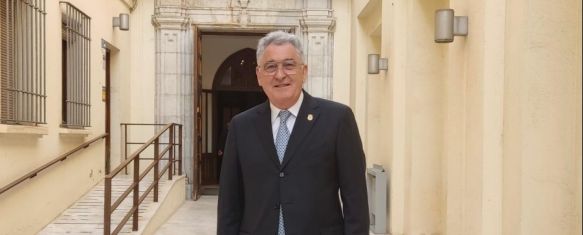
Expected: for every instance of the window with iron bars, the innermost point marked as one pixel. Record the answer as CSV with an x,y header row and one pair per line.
x,y
22,62
76,43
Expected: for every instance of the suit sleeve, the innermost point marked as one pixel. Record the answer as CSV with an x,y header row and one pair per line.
x,y
352,178
231,197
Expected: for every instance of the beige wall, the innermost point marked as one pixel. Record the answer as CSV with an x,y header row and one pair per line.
x,y
26,208
138,90
400,111
341,62
141,96
542,118
480,136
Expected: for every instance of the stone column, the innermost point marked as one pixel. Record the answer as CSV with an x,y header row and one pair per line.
x,y
317,30
174,88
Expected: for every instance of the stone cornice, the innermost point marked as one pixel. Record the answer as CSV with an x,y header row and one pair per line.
x,y
318,20
318,24
170,22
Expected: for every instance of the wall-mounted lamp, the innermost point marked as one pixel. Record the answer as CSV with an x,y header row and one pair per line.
x,y
375,63
123,22
447,25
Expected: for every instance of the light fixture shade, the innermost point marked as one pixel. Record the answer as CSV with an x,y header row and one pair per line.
x,y
373,63
123,22
447,25
444,25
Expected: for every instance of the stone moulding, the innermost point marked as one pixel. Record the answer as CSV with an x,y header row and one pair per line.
x,y
170,22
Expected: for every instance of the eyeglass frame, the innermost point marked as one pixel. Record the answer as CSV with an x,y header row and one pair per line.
x,y
281,65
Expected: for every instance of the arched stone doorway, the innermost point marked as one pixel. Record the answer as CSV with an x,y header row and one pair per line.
x,y
235,86
235,89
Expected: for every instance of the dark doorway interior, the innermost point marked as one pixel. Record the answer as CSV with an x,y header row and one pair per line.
x,y
230,103
235,89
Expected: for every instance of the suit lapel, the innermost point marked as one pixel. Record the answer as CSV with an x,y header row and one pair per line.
x,y
265,131
305,120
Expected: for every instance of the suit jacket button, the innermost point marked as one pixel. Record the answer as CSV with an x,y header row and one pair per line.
x,y
281,174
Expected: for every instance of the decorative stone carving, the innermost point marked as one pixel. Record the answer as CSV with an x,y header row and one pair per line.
x,y
243,17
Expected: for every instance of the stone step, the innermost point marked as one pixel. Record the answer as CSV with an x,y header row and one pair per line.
x,y
86,215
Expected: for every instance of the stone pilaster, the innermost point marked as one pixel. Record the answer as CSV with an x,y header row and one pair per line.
x,y
174,92
317,29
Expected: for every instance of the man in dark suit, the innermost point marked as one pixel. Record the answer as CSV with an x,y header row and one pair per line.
x,y
293,165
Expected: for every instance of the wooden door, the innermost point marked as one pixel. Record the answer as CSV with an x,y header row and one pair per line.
x,y
197,182
106,96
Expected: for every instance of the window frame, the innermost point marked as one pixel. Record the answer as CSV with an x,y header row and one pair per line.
x,y
22,62
76,65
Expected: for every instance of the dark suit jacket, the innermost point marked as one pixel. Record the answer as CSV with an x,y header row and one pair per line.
x,y
324,156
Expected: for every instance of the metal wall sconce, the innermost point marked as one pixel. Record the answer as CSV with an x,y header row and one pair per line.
x,y
123,22
375,63
447,25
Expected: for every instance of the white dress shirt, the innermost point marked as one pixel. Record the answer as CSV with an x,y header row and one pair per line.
x,y
294,110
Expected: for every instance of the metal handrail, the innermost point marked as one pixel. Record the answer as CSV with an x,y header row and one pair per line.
x,y
60,158
109,208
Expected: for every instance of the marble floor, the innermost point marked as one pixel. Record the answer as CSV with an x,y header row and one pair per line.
x,y
193,217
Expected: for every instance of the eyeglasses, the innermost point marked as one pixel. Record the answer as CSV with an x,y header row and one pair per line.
x,y
290,67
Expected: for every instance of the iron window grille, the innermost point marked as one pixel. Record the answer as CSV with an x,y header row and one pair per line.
x,y
76,44
22,62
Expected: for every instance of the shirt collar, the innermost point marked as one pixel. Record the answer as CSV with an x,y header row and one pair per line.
x,y
294,109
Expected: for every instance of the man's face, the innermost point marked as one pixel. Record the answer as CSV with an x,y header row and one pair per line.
x,y
281,73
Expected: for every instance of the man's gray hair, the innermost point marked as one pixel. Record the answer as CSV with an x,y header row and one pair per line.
x,y
279,38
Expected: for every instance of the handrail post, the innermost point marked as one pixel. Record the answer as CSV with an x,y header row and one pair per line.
x,y
179,149
136,192
107,154
171,156
125,146
156,168
107,208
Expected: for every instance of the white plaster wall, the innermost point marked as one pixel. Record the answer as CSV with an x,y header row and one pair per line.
x,y
31,205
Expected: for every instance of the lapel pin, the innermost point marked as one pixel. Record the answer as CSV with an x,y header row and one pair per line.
x,y
310,117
